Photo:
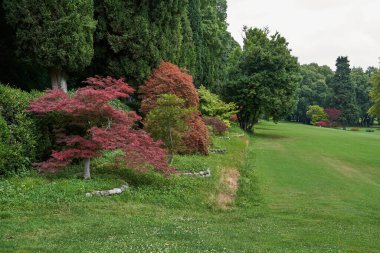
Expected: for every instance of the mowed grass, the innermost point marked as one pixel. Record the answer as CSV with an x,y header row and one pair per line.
x,y
301,189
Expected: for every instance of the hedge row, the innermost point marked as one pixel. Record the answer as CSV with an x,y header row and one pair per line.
x,y
23,139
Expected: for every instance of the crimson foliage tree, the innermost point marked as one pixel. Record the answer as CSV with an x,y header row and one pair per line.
x,y
170,79
333,114
89,124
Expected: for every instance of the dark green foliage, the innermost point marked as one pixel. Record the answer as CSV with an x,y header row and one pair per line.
x,y
53,33
313,90
265,79
344,98
375,94
12,69
57,35
132,37
216,43
22,141
124,43
362,83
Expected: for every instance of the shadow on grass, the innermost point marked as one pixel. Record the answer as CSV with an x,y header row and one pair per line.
x,y
265,128
270,136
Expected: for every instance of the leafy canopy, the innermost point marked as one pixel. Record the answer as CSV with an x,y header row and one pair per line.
x,y
265,79
375,94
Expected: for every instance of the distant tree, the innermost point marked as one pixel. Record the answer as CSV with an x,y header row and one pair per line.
x,y
89,124
375,94
54,34
333,114
344,98
167,122
170,79
313,89
362,83
265,79
316,114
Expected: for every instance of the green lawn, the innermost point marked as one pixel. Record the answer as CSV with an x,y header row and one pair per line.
x,y
302,189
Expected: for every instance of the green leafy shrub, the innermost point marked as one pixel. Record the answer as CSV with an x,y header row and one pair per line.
x,y
167,122
316,114
370,130
212,106
22,138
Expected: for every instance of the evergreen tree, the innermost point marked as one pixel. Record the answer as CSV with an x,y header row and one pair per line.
x,y
12,69
344,92
124,43
54,34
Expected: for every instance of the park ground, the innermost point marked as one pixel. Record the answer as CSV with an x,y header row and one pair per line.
x,y
287,188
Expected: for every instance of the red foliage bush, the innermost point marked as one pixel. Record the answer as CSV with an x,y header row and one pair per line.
x,y
218,126
234,118
91,125
170,79
196,139
333,114
322,123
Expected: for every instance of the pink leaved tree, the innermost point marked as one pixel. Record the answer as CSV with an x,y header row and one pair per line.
x,y
333,114
89,125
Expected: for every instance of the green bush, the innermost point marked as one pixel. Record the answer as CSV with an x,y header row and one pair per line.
x,y
22,140
212,106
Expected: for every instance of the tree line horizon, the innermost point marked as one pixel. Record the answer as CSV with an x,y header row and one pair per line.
x,y
52,44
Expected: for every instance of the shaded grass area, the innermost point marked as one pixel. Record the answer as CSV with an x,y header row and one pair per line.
x,y
301,189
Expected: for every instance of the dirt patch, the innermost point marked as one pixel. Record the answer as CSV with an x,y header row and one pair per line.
x,y
228,186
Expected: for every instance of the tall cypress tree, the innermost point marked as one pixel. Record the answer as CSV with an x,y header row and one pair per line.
x,y
344,92
195,16
54,34
124,43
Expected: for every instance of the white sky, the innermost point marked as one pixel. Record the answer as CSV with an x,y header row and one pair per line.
x,y
317,30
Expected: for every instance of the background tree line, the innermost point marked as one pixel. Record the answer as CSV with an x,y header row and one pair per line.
x,y
346,89
55,43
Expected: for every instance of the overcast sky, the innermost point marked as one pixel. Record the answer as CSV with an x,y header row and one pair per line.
x,y
317,30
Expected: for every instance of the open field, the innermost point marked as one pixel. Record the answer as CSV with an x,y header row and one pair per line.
x,y
299,189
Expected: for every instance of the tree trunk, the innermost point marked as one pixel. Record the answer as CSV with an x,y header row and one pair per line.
x,y
58,79
86,172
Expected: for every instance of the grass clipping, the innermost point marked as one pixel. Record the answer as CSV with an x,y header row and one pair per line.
x,y
227,187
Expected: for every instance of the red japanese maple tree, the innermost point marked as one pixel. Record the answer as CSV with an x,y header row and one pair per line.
x,y
333,114
171,79
90,124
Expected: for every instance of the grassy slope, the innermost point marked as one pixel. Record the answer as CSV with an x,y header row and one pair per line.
x,y
321,187
302,189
